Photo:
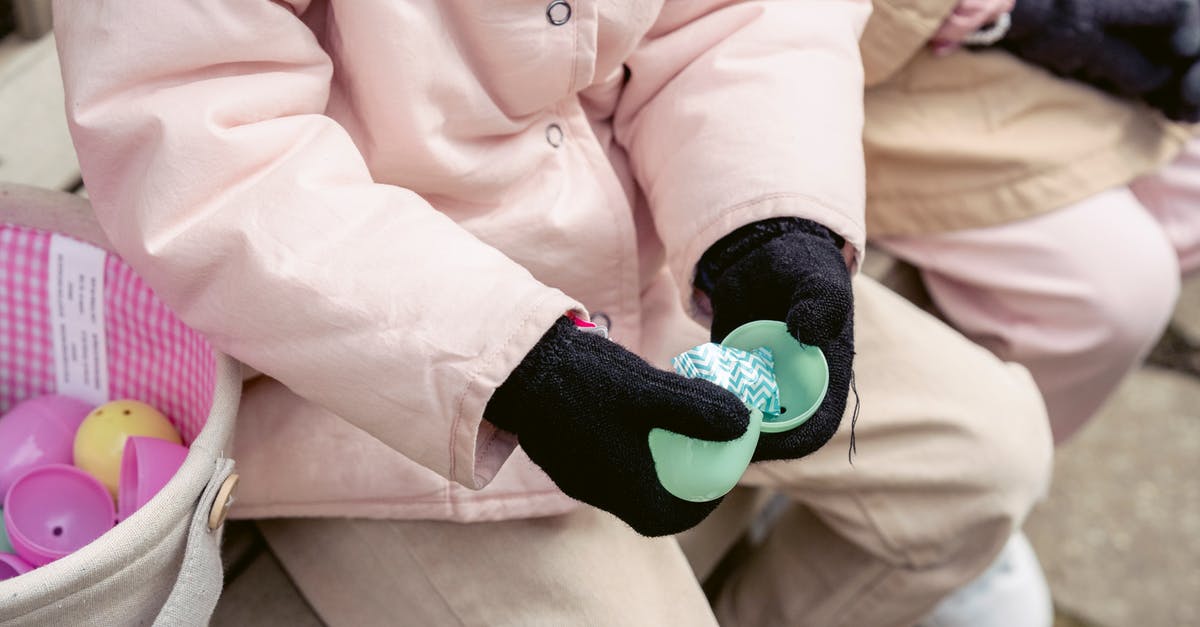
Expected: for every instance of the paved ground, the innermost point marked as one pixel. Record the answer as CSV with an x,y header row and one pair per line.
x,y
1119,536
1187,315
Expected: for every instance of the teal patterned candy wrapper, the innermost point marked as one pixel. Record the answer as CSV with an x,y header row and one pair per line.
x,y
748,374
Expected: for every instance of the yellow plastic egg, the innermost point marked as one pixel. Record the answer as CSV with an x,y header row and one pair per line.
x,y
100,440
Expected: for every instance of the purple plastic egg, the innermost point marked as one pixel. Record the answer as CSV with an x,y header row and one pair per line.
x,y
52,511
38,432
13,566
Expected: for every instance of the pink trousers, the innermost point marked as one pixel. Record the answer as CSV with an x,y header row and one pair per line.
x,y
1080,295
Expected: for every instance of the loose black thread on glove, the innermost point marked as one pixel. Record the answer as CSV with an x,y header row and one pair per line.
x,y
853,421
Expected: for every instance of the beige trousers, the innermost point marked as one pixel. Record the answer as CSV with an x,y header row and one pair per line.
x,y
953,450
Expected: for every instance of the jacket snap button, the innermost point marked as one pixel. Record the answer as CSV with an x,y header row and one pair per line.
x,y
559,12
554,135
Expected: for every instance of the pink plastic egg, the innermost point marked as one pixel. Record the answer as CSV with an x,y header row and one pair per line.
x,y
146,466
13,566
38,432
55,510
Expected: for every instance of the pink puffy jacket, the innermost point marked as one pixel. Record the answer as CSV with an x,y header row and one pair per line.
x,y
383,204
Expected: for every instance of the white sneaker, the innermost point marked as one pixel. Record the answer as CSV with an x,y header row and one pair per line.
x,y
1012,592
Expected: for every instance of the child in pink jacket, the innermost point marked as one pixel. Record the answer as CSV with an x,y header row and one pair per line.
x,y
397,209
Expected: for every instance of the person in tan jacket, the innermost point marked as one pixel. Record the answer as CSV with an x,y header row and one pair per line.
x,y
1050,215
1051,221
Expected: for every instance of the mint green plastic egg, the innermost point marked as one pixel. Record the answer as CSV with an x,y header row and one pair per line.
x,y
701,470
800,371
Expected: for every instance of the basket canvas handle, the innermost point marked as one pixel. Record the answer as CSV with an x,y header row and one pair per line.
x,y
195,594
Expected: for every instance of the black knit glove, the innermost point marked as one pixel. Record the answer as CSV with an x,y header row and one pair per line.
x,y
582,407
792,270
1140,49
1179,97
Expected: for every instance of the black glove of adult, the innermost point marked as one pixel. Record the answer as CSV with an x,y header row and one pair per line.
x,y
792,270
1179,97
1141,49
582,407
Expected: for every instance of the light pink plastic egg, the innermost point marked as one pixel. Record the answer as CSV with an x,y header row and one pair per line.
x,y
38,432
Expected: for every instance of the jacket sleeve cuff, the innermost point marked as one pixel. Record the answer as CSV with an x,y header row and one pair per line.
x,y
683,263
895,33
477,448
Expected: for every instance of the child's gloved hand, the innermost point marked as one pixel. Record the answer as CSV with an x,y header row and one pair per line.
x,y
1144,49
582,407
792,270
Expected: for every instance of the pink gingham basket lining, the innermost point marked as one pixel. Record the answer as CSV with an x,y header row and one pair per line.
x,y
152,356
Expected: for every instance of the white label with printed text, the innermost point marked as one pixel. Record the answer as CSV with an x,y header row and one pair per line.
x,y
77,312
